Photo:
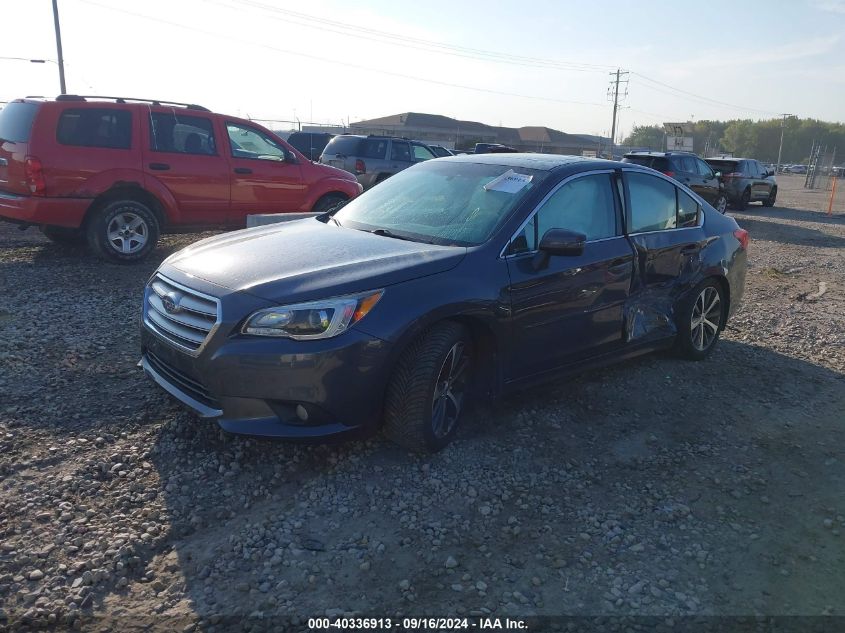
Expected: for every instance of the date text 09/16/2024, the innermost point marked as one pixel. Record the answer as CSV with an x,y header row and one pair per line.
x,y
412,624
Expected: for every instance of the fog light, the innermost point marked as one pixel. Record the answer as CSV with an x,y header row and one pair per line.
x,y
302,413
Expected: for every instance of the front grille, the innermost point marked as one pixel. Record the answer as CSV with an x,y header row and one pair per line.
x,y
191,317
181,380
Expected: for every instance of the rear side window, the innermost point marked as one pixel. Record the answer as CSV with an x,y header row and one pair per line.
x,y
347,145
181,134
653,203
687,210
724,166
400,151
375,148
16,121
95,127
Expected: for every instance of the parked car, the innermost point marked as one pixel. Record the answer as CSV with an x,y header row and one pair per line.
x,y
686,168
373,159
746,181
310,144
440,151
798,169
494,148
117,172
459,278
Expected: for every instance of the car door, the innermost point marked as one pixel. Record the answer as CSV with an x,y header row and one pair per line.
x,y
265,176
710,188
182,151
572,308
400,156
664,225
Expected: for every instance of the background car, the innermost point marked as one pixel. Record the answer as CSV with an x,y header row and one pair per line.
x,y
686,168
460,278
494,148
797,169
373,159
117,172
310,144
746,181
441,151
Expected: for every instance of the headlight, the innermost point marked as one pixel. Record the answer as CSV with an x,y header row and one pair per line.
x,y
312,320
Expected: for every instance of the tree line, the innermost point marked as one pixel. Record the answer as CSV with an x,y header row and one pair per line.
x,y
755,139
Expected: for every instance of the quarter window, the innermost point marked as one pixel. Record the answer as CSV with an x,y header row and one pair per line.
x,y
584,205
653,204
687,210
181,134
248,142
95,127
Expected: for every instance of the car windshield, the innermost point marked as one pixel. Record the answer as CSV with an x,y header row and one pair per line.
x,y
442,202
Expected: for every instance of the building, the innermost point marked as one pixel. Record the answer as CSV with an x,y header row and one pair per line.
x,y
452,133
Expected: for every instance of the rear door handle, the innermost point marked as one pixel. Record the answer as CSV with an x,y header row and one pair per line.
x,y
159,166
243,170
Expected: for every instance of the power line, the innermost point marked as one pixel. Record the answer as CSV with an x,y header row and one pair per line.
x,y
339,62
699,97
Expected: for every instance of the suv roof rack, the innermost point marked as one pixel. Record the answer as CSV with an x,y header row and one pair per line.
x,y
157,102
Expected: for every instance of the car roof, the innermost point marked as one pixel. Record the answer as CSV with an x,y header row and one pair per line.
x,y
540,162
657,154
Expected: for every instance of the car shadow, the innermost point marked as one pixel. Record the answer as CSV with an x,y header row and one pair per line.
x,y
760,229
255,525
786,213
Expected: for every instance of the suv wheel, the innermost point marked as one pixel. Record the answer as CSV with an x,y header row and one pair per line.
x,y
770,201
428,391
123,231
721,203
744,199
328,202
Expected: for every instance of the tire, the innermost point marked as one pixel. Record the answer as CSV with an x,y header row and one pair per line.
x,y
744,199
328,202
61,235
721,204
123,231
696,337
773,195
428,391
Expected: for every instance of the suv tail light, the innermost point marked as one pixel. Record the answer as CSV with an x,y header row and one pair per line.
x,y
742,236
34,173
360,167
671,174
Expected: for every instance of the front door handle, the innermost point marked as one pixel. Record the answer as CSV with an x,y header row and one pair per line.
x,y
159,166
243,170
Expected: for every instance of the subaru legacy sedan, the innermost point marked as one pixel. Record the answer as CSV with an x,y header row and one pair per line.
x,y
458,279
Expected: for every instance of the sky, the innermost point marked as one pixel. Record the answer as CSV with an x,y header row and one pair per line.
x,y
544,62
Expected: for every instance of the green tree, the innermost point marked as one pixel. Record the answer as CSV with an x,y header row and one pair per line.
x,y
645,136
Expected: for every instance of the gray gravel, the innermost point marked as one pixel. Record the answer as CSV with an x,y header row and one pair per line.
x,y
658,487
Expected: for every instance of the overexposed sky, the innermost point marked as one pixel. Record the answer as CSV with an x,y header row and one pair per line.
x,y
545,62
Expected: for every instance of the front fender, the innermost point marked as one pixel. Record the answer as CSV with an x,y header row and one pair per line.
x,y
331,184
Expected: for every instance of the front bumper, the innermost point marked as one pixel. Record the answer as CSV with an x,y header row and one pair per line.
x,y
253,385
64,212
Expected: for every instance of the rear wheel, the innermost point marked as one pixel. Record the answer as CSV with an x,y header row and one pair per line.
x,y
428,391
61,235
123,231
328,202
744,199
700,320
721,203
773,195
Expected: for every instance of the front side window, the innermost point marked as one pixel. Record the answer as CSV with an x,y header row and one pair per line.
x,y
421,152
400,151
688,165
181,134
247,142
453,204
584,205
95,127
703,168
653,203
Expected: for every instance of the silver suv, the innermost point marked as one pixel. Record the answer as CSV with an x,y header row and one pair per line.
x,y
746,181
374,158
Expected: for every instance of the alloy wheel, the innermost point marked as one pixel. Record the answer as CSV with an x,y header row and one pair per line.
x,y
127,232
721,204
706,318
449,391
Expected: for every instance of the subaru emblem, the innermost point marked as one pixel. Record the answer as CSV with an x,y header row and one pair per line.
x,y
171,302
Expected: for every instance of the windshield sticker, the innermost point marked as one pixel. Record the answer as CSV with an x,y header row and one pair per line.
x,y
509,182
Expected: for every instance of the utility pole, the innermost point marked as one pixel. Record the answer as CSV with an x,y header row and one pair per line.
x,y
780,147
621,77
59,47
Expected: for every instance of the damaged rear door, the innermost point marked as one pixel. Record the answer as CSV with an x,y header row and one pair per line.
x,y
571,307
664,226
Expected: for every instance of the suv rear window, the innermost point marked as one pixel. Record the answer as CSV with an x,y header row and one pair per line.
x,y
16,121
724,166
348,145
95,127
655,162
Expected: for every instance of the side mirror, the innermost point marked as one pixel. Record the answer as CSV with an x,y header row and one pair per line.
x,y
559,242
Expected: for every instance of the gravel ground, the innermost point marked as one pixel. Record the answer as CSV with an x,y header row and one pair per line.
x,y
656,487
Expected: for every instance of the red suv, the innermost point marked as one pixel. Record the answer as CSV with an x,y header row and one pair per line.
x,y
116,172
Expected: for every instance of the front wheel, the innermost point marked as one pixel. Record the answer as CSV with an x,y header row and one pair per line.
x,y
328,202
744,200
721,204
700,320
123,231
427,393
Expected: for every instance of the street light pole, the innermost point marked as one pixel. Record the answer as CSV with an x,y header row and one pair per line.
x,y
59,47
780,147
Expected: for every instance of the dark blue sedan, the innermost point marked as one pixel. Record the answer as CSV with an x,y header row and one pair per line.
x,y
459,278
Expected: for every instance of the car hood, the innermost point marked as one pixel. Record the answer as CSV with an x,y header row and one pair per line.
x,y
306,259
